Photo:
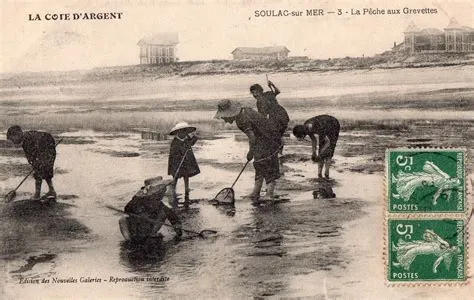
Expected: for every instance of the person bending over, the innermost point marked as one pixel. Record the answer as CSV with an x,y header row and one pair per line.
x,y
40,151
327,129
264,143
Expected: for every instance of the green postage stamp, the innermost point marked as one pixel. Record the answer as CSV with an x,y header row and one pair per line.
x,y
426,250
426,180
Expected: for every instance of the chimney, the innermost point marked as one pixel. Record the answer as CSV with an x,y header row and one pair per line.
x,y
394,44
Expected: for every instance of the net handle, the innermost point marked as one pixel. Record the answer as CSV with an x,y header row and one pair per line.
x,y
201,233
175,178
238,176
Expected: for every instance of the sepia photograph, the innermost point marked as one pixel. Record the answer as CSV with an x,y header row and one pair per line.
x,y
236,149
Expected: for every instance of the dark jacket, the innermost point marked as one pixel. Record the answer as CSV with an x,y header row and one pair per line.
x,y
267,135
189,166
40,151
268,106
142,209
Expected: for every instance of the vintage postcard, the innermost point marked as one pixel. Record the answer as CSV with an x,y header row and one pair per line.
x,y
211,149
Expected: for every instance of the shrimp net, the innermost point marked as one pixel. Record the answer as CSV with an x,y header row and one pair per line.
x,y
225,197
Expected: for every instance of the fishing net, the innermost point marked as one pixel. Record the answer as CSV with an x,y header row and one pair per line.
x,y
10,196
225,196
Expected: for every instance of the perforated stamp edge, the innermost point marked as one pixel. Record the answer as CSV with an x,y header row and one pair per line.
x,y
466,216
421,282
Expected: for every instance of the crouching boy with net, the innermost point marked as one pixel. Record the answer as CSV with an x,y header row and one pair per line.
x,y
146,213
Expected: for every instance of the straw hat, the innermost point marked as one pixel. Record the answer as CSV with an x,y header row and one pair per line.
x,y
156,188
227,108
182,126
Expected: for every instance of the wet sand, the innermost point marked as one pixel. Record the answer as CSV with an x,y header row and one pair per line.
x,y
319,248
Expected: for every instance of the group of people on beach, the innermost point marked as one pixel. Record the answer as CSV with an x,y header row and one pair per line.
x,y
264,128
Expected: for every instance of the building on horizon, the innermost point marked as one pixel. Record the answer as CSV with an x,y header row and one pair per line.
x,y
159,48
260,53
454,38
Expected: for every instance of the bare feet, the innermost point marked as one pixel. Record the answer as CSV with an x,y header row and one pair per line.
x,y
250,196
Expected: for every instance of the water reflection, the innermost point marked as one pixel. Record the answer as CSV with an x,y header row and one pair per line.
x,y
143,256
33,260
298,237
262,249
324,192
227,209
323,188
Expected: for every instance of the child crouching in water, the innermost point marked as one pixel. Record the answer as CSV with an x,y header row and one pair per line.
x,y
181,161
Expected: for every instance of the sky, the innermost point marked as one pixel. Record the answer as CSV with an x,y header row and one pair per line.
x,y
208,29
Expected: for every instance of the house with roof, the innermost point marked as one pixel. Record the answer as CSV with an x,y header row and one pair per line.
x,y
159,48
454,38
260,53
459,38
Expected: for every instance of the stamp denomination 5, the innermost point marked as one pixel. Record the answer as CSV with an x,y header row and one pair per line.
x,y
426,250
426,180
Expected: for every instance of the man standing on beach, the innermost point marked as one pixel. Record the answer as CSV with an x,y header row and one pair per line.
x,y
264,143
327,128
40,151
269,107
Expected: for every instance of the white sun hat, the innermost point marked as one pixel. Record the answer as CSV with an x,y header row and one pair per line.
x,y
181,126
